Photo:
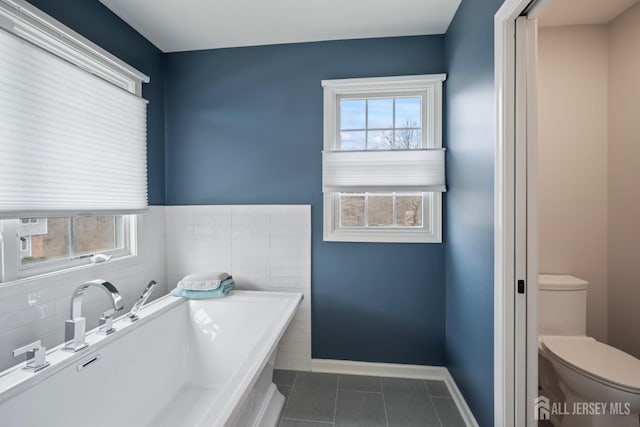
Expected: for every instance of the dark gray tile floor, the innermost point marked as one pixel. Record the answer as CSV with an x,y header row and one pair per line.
x,y
330,400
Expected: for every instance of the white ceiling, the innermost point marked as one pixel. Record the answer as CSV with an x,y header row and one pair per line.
x,y
582,12
177,25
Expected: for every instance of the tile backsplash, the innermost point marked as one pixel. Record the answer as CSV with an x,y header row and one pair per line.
x,y
264,247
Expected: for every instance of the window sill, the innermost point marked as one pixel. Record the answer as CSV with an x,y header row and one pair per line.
x,y
122,262
381,236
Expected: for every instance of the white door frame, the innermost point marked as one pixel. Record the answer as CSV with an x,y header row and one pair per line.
x,y
515,368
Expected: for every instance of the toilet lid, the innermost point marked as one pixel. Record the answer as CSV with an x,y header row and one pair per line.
x,y
595,358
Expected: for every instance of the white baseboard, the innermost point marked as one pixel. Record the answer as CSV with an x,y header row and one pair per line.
x,y
349,367
464,409
300,364
421,372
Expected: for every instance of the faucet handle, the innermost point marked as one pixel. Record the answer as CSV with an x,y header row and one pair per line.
x,y
36,356
106,323
146,293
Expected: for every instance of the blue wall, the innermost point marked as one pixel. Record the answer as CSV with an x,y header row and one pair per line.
x,y
244,125
101,26
469,210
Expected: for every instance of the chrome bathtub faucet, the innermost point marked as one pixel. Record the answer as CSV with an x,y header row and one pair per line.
x,y
76,327
133,314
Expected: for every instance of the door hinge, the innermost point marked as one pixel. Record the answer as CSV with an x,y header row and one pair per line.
x,y
521,287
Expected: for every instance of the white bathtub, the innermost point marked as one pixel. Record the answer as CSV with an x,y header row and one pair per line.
x,y
184,363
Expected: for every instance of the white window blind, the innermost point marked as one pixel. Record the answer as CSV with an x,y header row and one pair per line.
x,y
70,142
383,170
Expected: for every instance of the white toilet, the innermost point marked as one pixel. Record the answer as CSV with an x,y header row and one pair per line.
x,y
577,370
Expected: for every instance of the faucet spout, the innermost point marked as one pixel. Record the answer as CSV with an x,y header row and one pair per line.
x,y
108,288
75,328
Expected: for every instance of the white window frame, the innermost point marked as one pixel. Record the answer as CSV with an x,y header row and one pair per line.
x,y
13,269
429,87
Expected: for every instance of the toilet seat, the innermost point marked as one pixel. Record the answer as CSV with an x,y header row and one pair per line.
x,y
595,360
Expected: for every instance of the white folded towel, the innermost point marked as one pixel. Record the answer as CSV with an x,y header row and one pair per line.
x,y
203,281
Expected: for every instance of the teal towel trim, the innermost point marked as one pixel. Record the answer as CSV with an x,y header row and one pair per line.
x,y
222,290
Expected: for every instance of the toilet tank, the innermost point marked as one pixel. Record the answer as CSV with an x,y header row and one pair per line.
x,y
562,305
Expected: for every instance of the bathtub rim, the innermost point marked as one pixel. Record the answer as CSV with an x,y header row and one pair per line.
x,y
14,381
60,360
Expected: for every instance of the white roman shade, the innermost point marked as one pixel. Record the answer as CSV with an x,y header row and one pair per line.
x,y
70,142
388,170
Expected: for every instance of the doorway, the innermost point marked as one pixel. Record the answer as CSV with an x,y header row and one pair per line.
x,y
515,291
517,208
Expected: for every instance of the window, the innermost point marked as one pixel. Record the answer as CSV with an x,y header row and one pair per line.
x,y
382,209
380,123
383,165
76,116
60,243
